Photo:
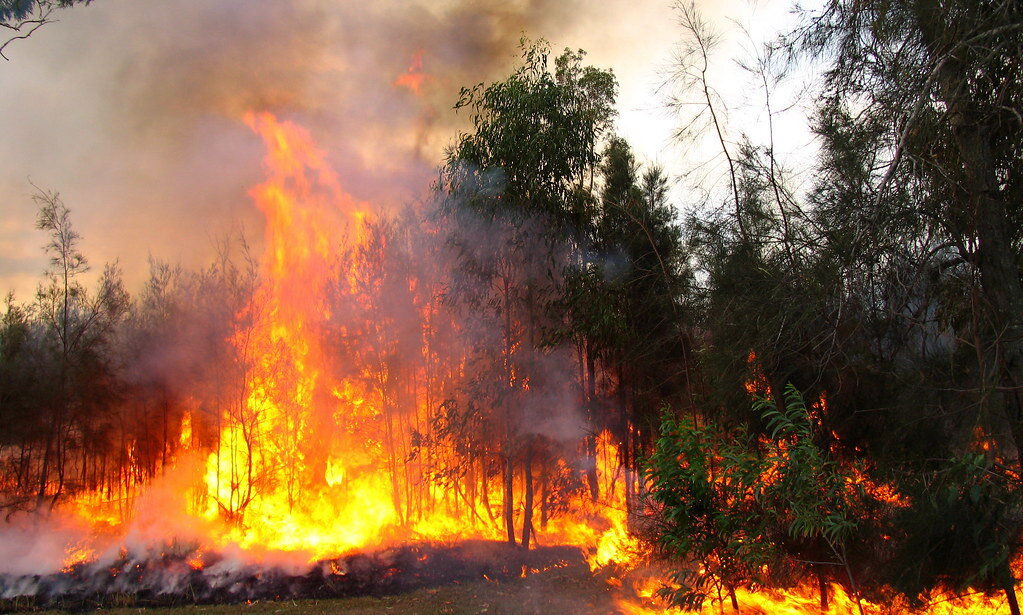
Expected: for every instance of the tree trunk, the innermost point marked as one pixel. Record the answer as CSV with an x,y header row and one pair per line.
x,y
527,510
1010,596
590,442
823,585
509,501
45,469
1009,587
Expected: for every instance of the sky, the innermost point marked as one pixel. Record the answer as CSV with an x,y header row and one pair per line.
x,y
131,109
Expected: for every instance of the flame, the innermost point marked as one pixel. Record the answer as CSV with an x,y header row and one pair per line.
x,y
269,475
76,554
757,385
185,439
639,598
313,456
413,78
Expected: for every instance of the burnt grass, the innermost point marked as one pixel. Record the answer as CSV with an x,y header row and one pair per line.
x,y
169,580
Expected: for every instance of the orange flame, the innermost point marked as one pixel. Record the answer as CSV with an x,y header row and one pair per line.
x,y
413,78
308,458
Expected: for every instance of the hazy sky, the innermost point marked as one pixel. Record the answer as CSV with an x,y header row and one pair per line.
x,y
131,109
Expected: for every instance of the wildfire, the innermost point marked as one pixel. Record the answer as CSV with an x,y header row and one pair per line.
x,y
315,457
413,78
757,385
640,598
318,456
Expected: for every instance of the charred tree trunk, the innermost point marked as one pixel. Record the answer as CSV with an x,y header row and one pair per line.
x,y
509,501
44,470
509,462
823,585
527,510
591,440
1010,596
544,493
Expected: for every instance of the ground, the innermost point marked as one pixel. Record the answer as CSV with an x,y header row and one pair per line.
x,y
560,591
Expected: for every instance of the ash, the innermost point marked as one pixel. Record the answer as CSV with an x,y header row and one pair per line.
x,y
173,579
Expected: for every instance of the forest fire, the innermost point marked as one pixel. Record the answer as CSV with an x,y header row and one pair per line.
x,y
323,454
798,397
641,599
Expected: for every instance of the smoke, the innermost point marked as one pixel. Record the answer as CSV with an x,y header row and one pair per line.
x,y
30,547
132,110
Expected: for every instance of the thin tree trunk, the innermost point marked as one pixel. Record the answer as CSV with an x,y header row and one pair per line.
x,y
823,585
509,501
527,512
1009,587
591,441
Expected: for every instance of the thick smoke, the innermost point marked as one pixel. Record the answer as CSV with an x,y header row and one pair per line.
x,y
132,110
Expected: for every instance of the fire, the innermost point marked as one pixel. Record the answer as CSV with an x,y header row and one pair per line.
x,y
273,476
413,78
757,385
602,528
317,456
185,439
77,554
640,598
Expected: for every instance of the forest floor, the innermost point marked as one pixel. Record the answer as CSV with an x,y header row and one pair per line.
x,y
571,590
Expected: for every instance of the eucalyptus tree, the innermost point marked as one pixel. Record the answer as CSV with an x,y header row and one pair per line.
x,y
19,19
517,191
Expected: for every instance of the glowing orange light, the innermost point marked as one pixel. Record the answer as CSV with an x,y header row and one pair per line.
x,y
413,78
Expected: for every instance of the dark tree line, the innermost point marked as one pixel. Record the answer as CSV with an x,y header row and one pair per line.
x,y
889,291
90,394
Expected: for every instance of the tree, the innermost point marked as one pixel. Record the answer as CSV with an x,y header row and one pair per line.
x,y
706,481
535,138
23,17
78,327
516,199
933,157
743,511
947,74
890,284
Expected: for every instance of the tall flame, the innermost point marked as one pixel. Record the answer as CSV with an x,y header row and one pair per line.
x,y
275,471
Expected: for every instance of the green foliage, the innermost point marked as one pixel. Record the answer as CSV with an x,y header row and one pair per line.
x,y
705,481
534,138
810,492
14,11
961,531
727,499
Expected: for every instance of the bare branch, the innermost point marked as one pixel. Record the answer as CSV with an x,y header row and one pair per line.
x,y
38,21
